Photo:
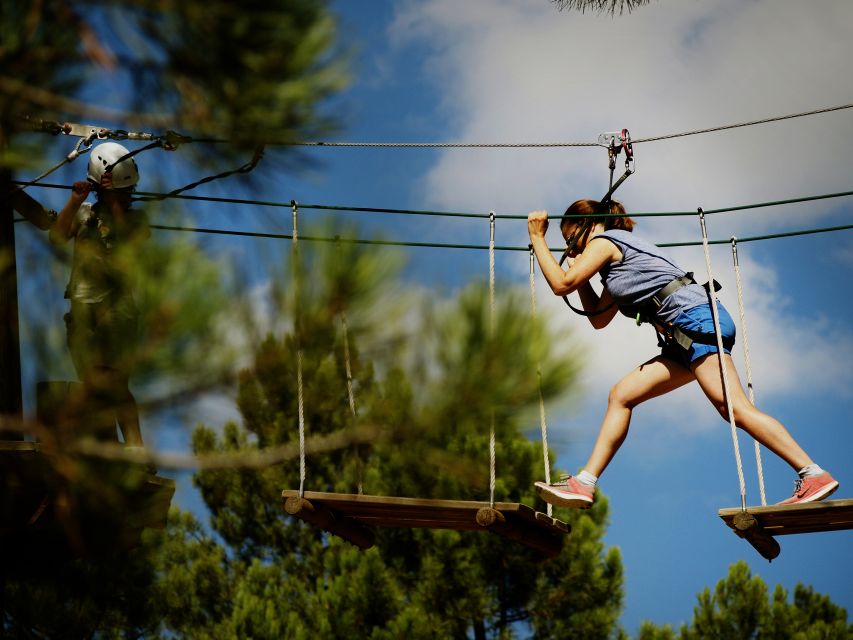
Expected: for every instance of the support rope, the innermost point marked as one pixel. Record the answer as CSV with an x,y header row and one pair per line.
x,y
492,474
543,425
351,395
297,332
749,385
723,371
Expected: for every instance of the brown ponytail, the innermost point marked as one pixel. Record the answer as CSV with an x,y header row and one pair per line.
x,y
612,214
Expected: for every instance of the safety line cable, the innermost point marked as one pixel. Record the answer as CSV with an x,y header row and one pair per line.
x,y
723,369
244,168
515,145
83,145
511,145
146,196
492,474
543,425
749,385
743,124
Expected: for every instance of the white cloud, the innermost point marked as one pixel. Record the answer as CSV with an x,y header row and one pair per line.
x,y
512,71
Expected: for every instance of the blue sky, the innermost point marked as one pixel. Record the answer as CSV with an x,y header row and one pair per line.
x,y
503,71
520,71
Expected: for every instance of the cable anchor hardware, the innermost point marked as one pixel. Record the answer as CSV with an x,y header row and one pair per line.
x,y
616,142
83,145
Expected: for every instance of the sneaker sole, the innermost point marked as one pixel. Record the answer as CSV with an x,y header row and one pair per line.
x,y
573,500
824,492
817,496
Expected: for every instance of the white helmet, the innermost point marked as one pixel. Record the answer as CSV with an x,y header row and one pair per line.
x,y
104,156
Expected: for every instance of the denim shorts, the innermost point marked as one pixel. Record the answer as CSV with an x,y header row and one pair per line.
x,y
699,319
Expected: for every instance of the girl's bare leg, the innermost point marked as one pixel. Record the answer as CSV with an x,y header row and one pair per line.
x,y
762,427
651,379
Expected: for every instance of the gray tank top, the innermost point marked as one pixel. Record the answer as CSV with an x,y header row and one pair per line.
x,y
643,271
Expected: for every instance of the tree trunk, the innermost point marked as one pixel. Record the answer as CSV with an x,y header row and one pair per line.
x,y
479,630
11,403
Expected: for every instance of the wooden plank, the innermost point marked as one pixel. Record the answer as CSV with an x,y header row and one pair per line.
x,y
512,520
789,519
422,509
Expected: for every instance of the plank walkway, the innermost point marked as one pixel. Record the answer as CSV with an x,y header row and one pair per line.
x,y
759,525
351,516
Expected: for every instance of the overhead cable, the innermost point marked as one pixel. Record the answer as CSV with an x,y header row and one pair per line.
x,y
504,145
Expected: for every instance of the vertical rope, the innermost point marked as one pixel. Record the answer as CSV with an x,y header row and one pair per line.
x,y
348,366
351,394
749,386
297,330
543,425
492,474
726,389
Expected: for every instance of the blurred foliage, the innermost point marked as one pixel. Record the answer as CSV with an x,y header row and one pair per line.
x,y
104,597
250,72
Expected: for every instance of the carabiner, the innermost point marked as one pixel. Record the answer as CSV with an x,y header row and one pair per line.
x,y
83,145
629,149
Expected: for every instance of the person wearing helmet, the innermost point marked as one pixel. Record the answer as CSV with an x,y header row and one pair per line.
x,y
102,325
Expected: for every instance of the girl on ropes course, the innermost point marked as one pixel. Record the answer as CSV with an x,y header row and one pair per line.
x,y
640,281
102,325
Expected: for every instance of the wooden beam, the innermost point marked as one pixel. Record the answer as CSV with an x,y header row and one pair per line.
x,y
523,532
321,517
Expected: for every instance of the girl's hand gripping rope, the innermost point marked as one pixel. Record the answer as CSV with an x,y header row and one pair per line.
x,y
537,223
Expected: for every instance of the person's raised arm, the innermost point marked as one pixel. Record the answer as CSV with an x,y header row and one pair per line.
x,y
584,267
66,223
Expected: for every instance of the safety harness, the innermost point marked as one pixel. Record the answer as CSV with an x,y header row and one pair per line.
x,y
667,333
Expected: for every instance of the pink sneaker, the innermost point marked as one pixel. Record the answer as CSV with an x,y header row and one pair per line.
x,y
812,489
568,492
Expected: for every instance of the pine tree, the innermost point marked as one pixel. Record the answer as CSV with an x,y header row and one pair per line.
x,y
430,440
739,607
